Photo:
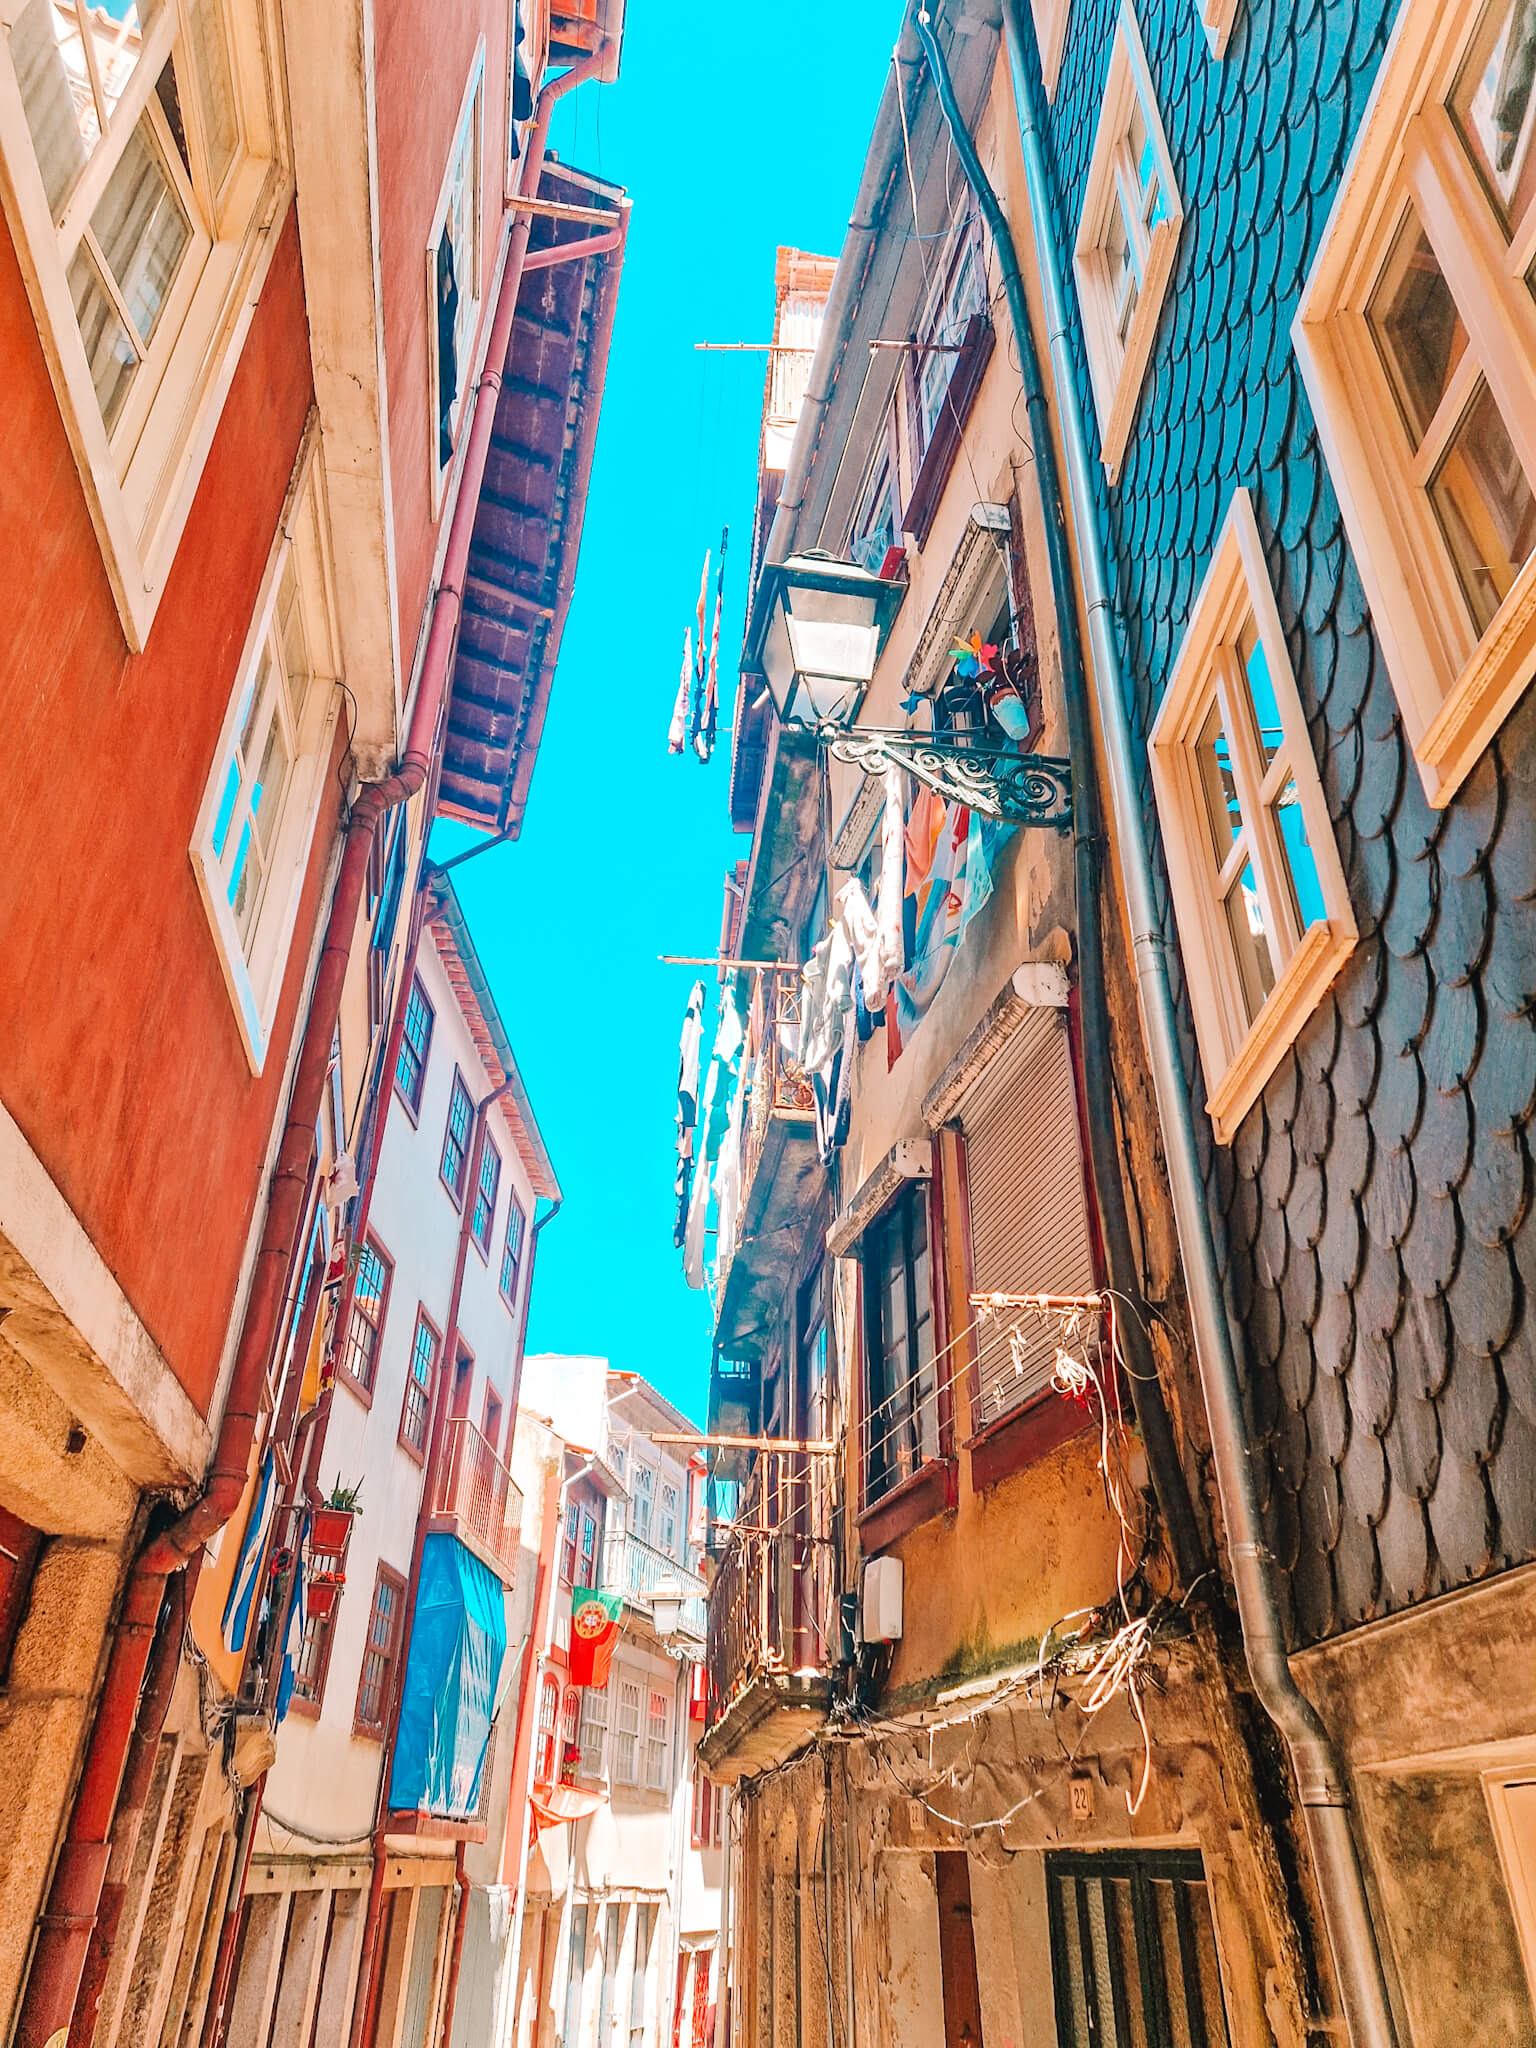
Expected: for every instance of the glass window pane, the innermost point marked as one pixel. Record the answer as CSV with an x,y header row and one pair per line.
x,y
242,881
226,808
1492,105
290,627
215,86
141,229
1486,508
55,94
1306,889
267,791
1251,942
1213,766
1261,693
109,347
1417,328
1119,258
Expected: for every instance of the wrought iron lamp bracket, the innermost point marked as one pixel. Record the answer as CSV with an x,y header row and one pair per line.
x,y
1013,788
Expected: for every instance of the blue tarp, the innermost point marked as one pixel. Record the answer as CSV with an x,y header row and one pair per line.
x,y
457,1646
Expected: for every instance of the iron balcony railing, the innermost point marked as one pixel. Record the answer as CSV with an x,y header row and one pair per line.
x,y
636,1568
773,1604
474,1494
776,1084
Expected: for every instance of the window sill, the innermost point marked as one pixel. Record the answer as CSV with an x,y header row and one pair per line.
x,y
939,456
412,1109
928,1492
354,1386
364,1731
1308,974
416,1457
455,1195
307,1710
1023,1437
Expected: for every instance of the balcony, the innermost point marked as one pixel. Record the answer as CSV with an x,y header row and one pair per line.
x,y
781,1176
473,1498
774,1624
635,1569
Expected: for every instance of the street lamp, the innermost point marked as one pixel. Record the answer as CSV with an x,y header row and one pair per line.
x,y
666,1606
819,626
824,623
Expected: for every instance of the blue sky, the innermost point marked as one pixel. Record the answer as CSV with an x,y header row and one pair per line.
x,y
730,142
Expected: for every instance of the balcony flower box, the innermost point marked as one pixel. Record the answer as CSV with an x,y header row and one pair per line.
x,y
330,1531
321,1594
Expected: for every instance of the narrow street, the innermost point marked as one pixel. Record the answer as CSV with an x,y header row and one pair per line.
x,y
767,1068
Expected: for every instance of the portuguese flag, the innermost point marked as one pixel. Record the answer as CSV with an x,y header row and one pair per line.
x,y
594,1631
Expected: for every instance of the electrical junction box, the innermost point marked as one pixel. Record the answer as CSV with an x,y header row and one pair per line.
x,y
880,1606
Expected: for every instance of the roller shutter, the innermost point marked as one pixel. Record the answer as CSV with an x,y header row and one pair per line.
x,y
1028,1201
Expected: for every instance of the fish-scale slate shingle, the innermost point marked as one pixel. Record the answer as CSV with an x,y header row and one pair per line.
x,y
1375,1212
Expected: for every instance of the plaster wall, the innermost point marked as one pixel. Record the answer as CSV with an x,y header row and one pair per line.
x,y
1015,1558
120,1058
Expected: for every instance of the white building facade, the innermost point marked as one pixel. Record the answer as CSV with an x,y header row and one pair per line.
x,y
314,1849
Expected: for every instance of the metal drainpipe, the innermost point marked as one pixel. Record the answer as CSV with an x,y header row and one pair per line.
x,y
456,1954
1163,1463
371,1980
723,1971
1320,1777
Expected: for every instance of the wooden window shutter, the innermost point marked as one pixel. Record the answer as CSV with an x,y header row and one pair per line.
x,y
1028,1203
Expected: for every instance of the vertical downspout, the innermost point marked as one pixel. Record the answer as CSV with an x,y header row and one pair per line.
x,y
456,1954
1320,1778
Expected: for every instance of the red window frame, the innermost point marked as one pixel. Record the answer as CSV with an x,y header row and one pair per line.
x,y
482,1217
568,1540
544,1740
365,1332
570,1735
415,1049
490,1426
313,1665
457,1143
381,1653
416,1406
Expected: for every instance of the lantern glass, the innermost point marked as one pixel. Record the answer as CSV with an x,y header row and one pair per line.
x,y
822,639
666,1606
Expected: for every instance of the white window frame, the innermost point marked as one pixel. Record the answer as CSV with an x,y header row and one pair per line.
x,y
1051,19
1454,686
1239,1056
1118,365
1512,1833
1216,18
254,969
140,479
626,1734
642,1494
594,1730
658,1747
467,151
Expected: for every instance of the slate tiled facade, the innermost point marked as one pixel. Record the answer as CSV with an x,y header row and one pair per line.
x,y
1374,1212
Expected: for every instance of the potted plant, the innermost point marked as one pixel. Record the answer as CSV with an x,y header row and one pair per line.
x,y
323,1591
330,1526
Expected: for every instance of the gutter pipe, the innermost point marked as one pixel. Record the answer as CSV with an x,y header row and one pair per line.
x,y
67,1922
371,1979
1321,1780
456,1954
1150,1403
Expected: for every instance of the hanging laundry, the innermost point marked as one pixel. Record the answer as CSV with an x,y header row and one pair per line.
x,y
888,893
687,1107
700,657
710,1131
850,909
728,1177
677,733
709,704
957,886
826,993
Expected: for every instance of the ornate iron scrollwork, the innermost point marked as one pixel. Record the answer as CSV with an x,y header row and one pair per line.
x,y
1015,789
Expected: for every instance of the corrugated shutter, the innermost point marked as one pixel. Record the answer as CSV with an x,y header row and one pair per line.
x,y
1028,1202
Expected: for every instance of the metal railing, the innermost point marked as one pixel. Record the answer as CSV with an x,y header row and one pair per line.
x,y
773,1605
779,1086
474,1490
636,1568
